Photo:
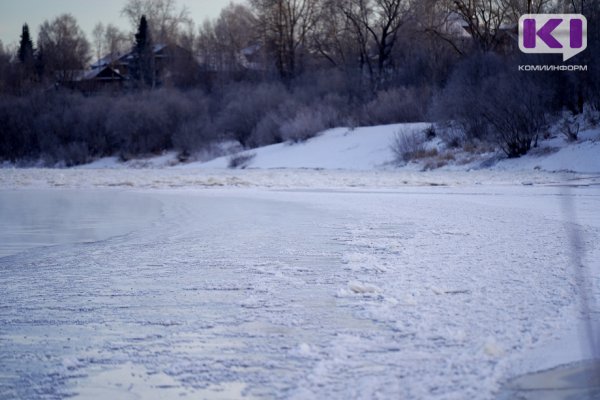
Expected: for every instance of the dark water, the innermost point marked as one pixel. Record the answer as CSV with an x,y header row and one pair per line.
x,y
568,382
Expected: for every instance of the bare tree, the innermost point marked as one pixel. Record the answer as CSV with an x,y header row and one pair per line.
x,y
479,24
520,7
116,41
484,19
234,32
222,42
63,47
332,37
437,21
5,68
376,25
164,17
285,26
207,47
98,35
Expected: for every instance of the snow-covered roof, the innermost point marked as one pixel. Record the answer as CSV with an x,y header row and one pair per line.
x,y
123,58
87,75
158,47
251,50
106,60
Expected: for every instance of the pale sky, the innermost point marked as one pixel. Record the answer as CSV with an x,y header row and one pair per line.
x,y
14,13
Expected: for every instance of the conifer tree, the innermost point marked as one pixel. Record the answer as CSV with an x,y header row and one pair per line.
x,y
25,55
26,47
143,69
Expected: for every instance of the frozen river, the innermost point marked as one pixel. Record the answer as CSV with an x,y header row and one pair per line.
x,y
40,218
422,292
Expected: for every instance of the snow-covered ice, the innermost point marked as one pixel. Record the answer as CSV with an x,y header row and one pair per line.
x,y
299,284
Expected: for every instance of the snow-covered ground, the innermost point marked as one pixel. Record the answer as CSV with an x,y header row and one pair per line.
x,y
406,291
369,149
341,148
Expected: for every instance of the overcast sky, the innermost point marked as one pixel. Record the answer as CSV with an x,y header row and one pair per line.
x,y
14,13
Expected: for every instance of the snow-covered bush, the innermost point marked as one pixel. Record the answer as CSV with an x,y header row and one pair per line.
x,y
244,106
489,104
191,136
516,113
72,154
140,126
408,145
591,116
305,125
459,103
430,132
92,129
18,138
194,131
329,83
240,160
268,129
308,122
394,106
178,108
569,126
60,129
296,122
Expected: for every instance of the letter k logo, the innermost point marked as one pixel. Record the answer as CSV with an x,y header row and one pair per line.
x,y
545,33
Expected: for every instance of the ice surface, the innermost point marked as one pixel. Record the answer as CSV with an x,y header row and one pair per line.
x,y
415,291
34,218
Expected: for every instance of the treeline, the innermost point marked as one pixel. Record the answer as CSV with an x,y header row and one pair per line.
x,y
276,70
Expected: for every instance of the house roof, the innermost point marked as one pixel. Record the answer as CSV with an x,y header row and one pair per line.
x,y
88,75
123,58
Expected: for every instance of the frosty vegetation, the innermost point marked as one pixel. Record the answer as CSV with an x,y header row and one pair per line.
x,y
269,71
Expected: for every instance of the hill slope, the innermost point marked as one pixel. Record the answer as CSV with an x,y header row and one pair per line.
x,y
369,148
340,148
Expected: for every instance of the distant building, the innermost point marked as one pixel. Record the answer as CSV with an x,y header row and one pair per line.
x,y
173,65
454,28
99,79
251,58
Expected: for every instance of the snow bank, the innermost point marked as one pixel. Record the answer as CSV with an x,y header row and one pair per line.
x,y
340,148
577,157
369,148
